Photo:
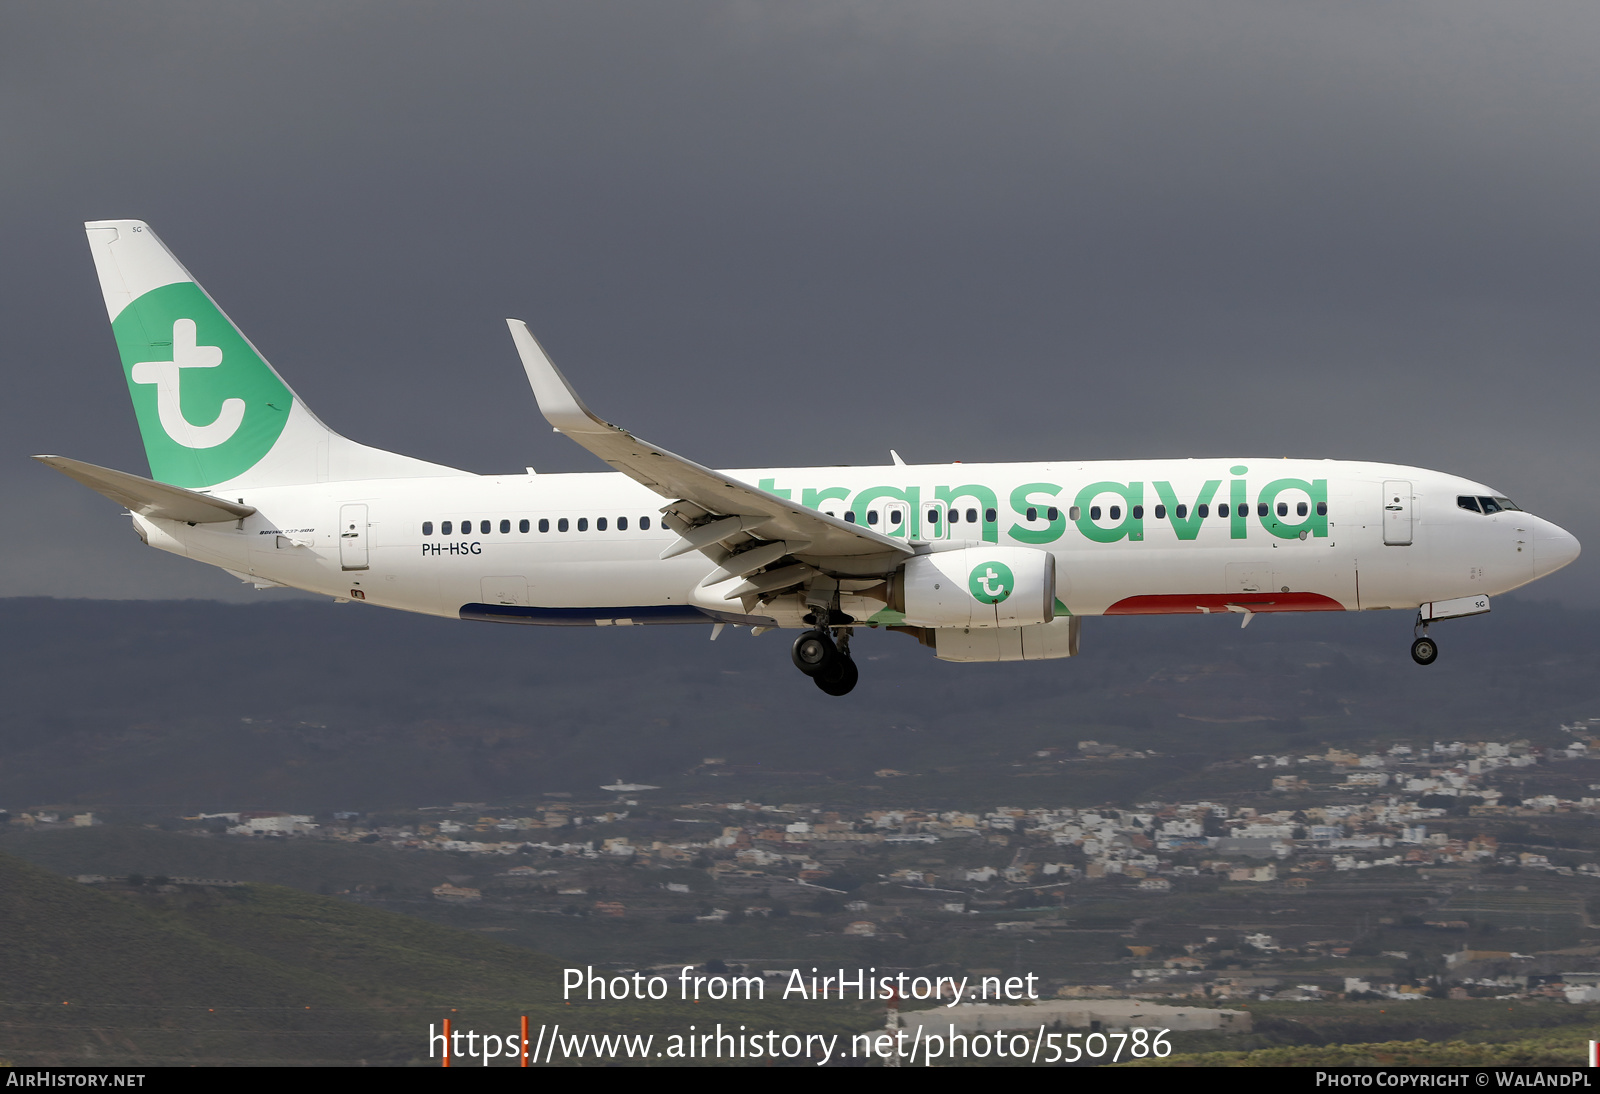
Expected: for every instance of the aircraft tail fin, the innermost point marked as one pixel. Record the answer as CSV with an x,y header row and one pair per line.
x,y
211,410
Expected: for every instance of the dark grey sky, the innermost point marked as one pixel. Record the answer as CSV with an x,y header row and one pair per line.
x,y
764,233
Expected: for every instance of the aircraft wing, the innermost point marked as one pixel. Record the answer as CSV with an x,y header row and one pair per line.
x,y
724,504
147,497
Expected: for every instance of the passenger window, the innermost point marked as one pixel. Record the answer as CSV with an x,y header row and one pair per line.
x,y
1261,509
988,515
466,527
1183,511
600,525
505,527
544,524
1161,512
1322,508
1033,514
561,525
644,524
872,516
1300,509
583,524
1203,511
896,516
427,527
972,516
1138,512
1051,514
1116,512
849,516
622,524
522,525
955,516
1283,508
1094,512
1074,513
1222,510
933,516
444,528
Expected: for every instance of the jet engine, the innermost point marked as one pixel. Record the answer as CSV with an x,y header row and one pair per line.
x,y
977,587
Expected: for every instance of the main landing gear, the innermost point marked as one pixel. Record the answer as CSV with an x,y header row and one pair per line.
x,y
827,662
1424,651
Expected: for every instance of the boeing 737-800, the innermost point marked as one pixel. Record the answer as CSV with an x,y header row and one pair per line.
x,y
979,562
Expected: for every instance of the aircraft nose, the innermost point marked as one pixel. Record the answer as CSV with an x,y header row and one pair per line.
x,y
1553,548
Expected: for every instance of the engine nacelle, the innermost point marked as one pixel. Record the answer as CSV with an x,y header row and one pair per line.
x,y
1041,643
978,587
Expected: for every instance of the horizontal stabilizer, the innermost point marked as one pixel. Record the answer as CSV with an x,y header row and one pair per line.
x,y
147,497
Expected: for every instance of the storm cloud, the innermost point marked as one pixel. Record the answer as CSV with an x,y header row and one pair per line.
x,y
768,234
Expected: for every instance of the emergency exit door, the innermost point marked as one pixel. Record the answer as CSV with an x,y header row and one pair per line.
x,y
1397,506
353,537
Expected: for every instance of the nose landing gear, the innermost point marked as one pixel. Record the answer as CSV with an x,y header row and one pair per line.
x,y
828,663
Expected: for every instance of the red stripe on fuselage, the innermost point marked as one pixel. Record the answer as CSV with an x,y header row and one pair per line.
x,y
1198,603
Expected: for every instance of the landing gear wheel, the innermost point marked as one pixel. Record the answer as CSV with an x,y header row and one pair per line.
x,y
840,677
813,651
1423,651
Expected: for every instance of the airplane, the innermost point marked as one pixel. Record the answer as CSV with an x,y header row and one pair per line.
x,y
979,562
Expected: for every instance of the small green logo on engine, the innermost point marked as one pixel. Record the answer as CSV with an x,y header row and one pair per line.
x,y
991,582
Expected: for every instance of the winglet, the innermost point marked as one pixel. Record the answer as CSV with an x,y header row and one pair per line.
x,y
557,401
714,493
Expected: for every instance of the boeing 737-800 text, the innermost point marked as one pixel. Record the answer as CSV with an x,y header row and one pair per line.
x,y
979,562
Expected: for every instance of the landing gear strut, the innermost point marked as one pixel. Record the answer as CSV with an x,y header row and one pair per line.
x,y
827,662
1424,651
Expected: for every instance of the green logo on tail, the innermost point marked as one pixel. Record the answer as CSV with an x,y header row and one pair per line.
x,y
208,406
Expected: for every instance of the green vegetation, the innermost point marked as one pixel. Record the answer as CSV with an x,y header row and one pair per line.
x,y
264,974
1564,1050
1433,1032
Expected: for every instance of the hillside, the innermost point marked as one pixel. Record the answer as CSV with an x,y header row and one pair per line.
x,y
308,706
267,975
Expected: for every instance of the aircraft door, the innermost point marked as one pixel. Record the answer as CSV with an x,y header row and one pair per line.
x,y
896,517
353,537
1397,512
935,523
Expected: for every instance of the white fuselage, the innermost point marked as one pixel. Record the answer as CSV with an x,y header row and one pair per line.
x,y
1386,536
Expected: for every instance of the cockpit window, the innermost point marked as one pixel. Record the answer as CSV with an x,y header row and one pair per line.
x,y
1487,506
